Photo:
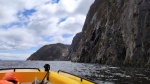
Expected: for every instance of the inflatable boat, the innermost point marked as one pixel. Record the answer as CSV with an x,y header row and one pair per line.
x,y
28,75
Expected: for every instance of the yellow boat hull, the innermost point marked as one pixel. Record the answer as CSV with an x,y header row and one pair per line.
x,y
28,75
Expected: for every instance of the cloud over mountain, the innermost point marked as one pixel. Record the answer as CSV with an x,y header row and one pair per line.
x,y
29,24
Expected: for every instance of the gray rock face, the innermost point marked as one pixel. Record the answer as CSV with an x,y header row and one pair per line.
x,y
74,46
116,32
51,52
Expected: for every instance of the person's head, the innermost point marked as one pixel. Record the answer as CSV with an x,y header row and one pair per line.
x,y
10,76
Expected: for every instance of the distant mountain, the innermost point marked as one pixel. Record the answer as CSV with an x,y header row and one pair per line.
x,y
51,52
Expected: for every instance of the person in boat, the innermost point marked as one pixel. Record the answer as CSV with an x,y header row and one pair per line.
x,y
9,78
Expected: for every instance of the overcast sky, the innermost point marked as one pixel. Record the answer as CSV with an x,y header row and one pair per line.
x,y
26,25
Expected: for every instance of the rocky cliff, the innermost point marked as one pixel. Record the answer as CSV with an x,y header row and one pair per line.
x,y
115,32
51,52
74,46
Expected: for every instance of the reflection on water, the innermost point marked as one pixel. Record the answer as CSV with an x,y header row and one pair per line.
x,y
101,74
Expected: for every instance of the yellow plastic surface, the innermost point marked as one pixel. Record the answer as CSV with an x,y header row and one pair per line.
x,y
54,77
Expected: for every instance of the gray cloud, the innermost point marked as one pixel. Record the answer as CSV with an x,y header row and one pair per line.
x,y
41,24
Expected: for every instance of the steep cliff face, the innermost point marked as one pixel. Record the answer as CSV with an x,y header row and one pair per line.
x,y
51,52
116,32
74,46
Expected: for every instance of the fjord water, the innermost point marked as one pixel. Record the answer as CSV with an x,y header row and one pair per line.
x,y
100,74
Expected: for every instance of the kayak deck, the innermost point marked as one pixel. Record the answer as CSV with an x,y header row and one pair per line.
x,y
27,76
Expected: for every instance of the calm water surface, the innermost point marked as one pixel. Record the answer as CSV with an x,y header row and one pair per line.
x,y
100,74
